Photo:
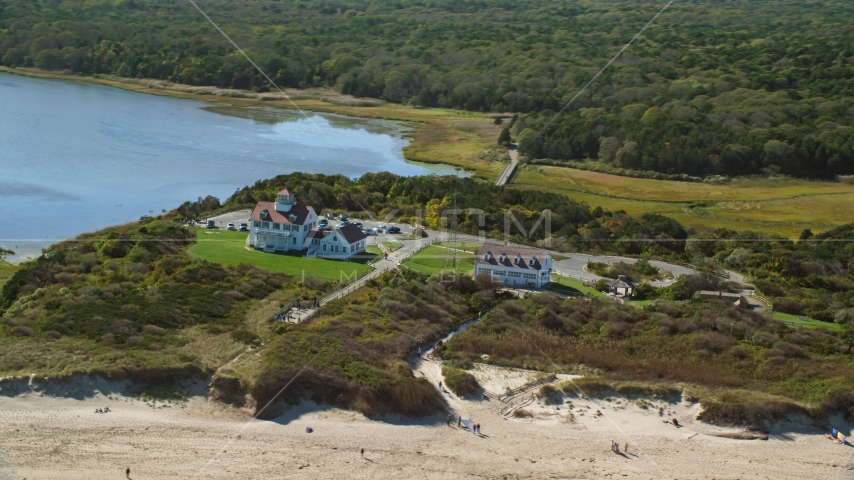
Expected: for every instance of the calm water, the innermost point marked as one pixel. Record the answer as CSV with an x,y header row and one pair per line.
x,y
77,158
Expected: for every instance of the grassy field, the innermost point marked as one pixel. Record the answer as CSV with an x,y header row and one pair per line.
x,y
782,206
797,321
466,246
6,271
573,286
228,248
431,260
392,246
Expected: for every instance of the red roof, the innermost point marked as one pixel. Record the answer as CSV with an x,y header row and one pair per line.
x,y
273,215
315,233
510,253
284,191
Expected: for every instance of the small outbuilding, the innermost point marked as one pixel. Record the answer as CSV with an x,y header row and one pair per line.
x,y
621,287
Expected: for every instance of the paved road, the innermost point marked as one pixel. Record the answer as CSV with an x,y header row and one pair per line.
x,y
510,168
574,267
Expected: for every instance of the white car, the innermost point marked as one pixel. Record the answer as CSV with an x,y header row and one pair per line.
x,y
231,226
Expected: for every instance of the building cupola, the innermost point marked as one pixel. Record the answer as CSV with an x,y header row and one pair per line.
x,y
284,200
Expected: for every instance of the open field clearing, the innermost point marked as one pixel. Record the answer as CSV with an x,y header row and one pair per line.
x,y
782,206
228,248
433,260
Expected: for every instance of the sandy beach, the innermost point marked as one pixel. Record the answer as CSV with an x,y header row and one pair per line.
x,y
59,437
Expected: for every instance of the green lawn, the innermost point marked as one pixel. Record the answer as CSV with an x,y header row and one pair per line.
x,y
431,260
467,246
806,322
392,246
228,248
573,286
6,271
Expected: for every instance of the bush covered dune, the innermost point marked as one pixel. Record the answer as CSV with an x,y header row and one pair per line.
x,y
355,349
761,372
129,298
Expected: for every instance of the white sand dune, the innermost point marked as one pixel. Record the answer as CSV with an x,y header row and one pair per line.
x,y
51,437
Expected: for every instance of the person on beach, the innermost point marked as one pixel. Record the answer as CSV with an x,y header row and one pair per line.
x,y
440,385
363,453
676,423
626,447
127,473
419,352
459,421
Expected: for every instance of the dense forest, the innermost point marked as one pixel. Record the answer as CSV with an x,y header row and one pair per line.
x,y
726,87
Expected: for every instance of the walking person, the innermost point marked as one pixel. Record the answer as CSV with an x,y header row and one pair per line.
x,y
127,473
459,421
363,453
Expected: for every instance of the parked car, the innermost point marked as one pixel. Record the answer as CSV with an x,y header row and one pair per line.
x,y
342,217
244,227
393,229
324,227
343,222
369,232
323,222
358,224
211,224
231,226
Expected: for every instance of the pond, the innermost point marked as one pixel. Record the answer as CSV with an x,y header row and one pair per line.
x,y
76,157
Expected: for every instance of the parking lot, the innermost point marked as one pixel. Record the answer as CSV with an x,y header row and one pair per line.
x,y
236,217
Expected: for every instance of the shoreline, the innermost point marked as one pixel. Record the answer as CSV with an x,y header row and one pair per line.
x,y
431,133
171,438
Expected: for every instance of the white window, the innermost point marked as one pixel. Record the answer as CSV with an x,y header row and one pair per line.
x,y
529,276
276,226
499,273
257,224
265,224
324,246
514,274
295,241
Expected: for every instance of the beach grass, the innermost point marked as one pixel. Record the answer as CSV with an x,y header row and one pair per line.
x,y
228,248
434,260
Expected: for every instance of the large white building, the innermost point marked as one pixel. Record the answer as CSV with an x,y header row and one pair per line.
x,y
284,226
514,266
281,226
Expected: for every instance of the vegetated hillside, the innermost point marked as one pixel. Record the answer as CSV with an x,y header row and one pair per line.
x,y
813,276
129,297
732,88
574,226
355,349
764,369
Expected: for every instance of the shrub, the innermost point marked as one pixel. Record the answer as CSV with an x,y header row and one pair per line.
x,y
460,382
22,331
52,334
522,413
133,341
245,336
153,330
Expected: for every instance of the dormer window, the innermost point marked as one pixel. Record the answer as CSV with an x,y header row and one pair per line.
x,y
264,214
487,256
292,218
517,259
532,261
502,258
